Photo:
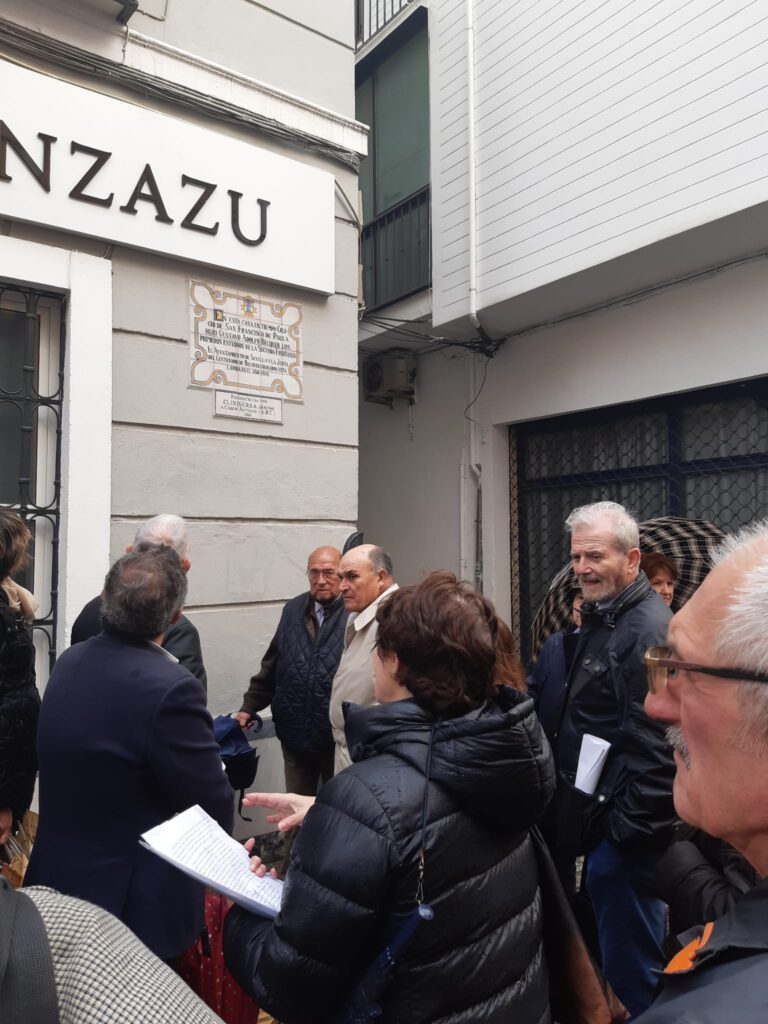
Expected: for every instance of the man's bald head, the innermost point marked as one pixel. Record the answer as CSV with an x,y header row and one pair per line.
x,y
366,572
324,552
323,574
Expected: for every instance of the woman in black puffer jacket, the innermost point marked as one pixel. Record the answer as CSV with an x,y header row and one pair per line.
x,y
354,868
19,699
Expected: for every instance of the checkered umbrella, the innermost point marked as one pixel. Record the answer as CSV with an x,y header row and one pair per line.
x,y
687,542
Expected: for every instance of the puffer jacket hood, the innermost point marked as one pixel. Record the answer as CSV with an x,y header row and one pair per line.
x,y
473,756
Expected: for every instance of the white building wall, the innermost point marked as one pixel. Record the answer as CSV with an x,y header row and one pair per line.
x,y
270,41
709,331
411,485
600,130
449,145
299,46
258,497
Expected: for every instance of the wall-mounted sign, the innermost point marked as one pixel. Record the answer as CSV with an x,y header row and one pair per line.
x,y
245,342
248,407
81,161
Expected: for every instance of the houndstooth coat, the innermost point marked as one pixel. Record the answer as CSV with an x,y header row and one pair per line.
x,y
104,974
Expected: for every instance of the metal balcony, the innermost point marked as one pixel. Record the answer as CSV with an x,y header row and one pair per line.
x,y
395,252
371,16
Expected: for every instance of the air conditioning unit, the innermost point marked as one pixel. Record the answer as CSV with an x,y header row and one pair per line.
x,y
389,376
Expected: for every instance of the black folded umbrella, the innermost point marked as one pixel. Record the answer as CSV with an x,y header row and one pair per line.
x,y
689,543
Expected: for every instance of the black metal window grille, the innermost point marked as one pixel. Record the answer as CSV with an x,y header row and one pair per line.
x,y
702,455
31,391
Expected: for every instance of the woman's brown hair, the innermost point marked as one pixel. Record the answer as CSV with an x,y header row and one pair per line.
x,y
14,540
509,671
652,562
445,636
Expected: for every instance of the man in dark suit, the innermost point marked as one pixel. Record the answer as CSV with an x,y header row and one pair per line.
x,y
124,743
182,639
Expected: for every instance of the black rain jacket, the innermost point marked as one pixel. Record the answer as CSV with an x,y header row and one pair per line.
x,y
605,692
354,870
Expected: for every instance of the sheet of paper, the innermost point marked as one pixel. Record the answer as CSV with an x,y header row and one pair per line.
x,y
592,755
194,843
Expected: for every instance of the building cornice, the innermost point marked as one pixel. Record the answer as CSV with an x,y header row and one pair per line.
x,y
158,70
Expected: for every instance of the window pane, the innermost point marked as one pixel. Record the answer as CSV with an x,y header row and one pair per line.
x,y
401,136
730,499
721,430
624,444
12,345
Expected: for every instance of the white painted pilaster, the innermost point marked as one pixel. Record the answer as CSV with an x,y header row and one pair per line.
x,y
86,444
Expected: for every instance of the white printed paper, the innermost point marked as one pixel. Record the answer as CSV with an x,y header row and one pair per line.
x,y
592,755
195,844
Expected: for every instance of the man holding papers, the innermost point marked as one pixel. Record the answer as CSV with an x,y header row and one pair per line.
x,y
125,742
615,769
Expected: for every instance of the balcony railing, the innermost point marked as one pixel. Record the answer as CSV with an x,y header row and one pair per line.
x,y
395,252
372,15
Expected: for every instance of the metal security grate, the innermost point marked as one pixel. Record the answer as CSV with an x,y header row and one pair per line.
x,y
31,390
395,252
702,455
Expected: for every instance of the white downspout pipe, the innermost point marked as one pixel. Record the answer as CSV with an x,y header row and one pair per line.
x,y
471,159
473,465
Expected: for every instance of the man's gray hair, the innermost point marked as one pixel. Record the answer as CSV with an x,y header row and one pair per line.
x,y
624,525
143,591
165,529
742,641
381,560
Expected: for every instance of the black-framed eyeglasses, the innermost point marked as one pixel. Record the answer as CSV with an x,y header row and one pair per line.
x,y
326,574
660,667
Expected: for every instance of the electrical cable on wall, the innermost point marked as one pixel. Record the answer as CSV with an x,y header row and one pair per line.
x,y
469,405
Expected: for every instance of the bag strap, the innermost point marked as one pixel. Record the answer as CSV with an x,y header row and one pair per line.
x,y
240,796
424,816
27,982
578,992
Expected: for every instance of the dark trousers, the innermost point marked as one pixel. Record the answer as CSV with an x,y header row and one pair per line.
x,y
304,774
630,922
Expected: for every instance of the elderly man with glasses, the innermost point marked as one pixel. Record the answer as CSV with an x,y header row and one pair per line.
x,y
625,824
708,684
297,672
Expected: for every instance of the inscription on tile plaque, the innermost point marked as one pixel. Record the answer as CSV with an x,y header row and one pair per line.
x,y
245,342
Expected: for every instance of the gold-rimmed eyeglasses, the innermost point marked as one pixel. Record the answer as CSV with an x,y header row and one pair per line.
x,y
660,667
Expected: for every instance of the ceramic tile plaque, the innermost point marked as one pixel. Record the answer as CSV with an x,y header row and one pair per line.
x,y
245,342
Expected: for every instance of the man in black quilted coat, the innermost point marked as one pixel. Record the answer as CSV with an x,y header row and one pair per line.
x,y
296,674
354,869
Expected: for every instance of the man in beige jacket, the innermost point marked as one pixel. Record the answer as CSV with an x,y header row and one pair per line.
x,y
366,580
